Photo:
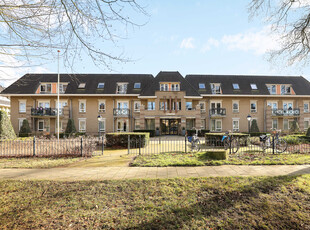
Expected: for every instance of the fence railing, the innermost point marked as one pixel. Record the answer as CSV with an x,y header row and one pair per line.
x,y
35,147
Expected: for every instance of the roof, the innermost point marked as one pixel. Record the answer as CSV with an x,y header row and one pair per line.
x,y
29,83
300,85
169,76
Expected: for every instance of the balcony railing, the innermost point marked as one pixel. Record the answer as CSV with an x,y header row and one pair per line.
x,y
217,112
45,111
286,112
121,112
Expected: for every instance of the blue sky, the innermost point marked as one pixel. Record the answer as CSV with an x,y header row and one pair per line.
x,y
192,37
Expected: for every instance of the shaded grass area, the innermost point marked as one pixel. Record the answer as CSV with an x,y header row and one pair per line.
x,y
37,162
199,159
228,203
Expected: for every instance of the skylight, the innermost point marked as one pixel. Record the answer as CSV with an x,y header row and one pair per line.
x,y
137,85
101,85
236,86
202,86
82,85
253,86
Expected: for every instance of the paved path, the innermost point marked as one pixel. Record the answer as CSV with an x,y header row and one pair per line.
x,y
109,173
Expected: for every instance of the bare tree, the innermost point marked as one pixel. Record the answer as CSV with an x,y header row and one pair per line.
x,y
36,29
290,20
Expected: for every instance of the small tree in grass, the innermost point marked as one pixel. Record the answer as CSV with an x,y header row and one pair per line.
x,y
254,127
25,129
70,127
6,128
295,127
308,132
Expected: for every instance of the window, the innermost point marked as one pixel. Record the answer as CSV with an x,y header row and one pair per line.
x,y
306,107
282,89
151,105
101,106
82,106
177,87
235,106
235,125
253,107
46,88
203,124
274,124
272,89
216,88
82,125
189,105
150,124
61,126
169,87
163,105
101,125
287,124
216,125
202,86
100,85
137,124
82,85
202,106
306,124
236,86
20,122
22,106
190,123
62,88
41,125
44,104
136,106
288,105
273,105
137,85
285,89
253,86
121,88
178,104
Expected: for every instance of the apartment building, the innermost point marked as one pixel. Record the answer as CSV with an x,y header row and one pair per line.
x,y
168,102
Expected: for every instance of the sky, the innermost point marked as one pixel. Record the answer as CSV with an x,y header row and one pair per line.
x,y
192,37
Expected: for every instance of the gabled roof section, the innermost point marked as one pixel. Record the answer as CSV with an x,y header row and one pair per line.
x,y
29,83
300,85
169,76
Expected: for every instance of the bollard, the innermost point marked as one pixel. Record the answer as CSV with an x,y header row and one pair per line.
x,y
139,144
102,149
128,144
185,145
34,146
81,146
272,144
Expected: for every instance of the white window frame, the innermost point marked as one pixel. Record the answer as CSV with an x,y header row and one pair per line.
x,y
272,125
45,84
102,120
19,106
82,85
214,89
121,87
272,103
61,126
61,87
236,129
288,123
215,125
253,86
40,130
203,108
307,119
80,103
153,103
44,102
306,103
235,110
20,122
139,105
80,121
99,103
288,102
137,124
253,102
189,108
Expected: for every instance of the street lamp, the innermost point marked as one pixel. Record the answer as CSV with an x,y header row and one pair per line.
x,y
99,119
249,118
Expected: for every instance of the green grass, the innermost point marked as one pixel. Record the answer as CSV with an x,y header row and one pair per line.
x,y
202,203
37,162
199,159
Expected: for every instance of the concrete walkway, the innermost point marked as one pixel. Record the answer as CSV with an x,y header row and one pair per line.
x,y
117,173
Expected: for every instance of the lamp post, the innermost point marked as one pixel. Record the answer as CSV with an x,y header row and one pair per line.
x,y
249,118
58,81
99,119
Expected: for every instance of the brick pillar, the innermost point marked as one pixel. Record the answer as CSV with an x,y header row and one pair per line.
x,y
269,119
301,118
197,117
142,117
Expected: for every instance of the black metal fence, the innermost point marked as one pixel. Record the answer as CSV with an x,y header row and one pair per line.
x,y
36,147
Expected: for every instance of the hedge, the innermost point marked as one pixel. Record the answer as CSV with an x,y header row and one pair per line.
x,y
216,155
150,131
201,133
120,140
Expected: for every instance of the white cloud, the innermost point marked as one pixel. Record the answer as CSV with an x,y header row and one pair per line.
x,y
209,44
187,43
260,42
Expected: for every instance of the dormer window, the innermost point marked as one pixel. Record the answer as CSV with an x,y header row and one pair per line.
x,y
285,89
254,86
100,85
236,86
169,87
62,88
272,89
202,86
216,88
82,85
121,88
137,85
46,88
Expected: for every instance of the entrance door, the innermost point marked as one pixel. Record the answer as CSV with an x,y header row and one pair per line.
x,y
169,126
122,125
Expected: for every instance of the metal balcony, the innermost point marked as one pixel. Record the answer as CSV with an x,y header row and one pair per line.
x,y
121,112
286,112
45,111
217,112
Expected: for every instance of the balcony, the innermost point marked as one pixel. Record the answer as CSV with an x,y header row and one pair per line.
x,y
218,112
121,112
286,112
51,112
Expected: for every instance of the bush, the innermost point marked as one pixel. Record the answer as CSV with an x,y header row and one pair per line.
x,y
6,128
295,127
216,155
150,131
308,132
257,134
201,133
25,129
70,129
254,127
120,140
293,140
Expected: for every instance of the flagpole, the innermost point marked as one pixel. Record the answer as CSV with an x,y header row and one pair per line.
x,y
58,81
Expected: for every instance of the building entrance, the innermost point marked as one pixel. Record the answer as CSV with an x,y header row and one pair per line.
x,y
169,126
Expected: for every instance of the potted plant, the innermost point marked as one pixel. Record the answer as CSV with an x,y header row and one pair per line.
x,y
157,131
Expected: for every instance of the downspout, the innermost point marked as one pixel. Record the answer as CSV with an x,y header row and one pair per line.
x,y
265,117
113,115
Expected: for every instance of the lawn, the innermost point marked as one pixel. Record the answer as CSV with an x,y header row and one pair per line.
x,y
196,203
199,159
